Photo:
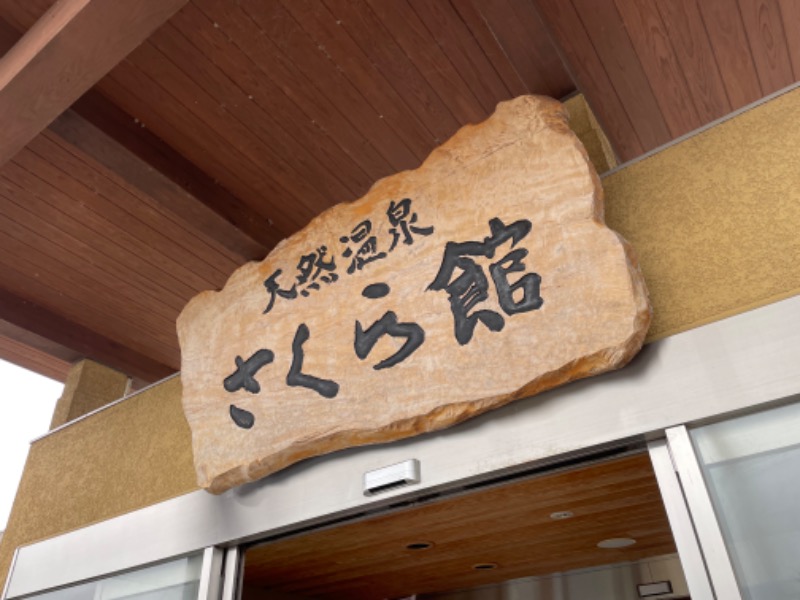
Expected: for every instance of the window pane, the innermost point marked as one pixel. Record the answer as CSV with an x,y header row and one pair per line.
x,y
175,580
752,469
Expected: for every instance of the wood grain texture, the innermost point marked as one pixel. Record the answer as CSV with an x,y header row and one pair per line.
x,y
731,47
698,65
463,51
654,48
403,149
411,34
565,26
524,38
372,43
64,331
124,146
768,43
620,60
509,525
324,27
268,67
499,52
68,50
34,352
790,19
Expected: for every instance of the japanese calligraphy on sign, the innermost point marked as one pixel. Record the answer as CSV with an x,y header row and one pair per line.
x,y
484,276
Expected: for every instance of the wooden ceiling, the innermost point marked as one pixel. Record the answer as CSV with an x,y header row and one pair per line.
x,y
142,164
509,526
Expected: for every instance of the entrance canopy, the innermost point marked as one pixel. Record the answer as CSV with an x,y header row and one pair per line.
x,y
150,147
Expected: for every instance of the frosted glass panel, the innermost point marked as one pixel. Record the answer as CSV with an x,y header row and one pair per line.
x,y
175,580
752,469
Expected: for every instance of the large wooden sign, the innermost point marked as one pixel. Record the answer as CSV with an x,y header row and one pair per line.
x,y
484,276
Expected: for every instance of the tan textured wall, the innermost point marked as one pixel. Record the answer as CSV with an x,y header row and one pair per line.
x,y
131,455
89,386
714,221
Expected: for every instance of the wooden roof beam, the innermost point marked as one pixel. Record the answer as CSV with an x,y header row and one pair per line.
x,y
114,138
65,53
46,324
102,131
35,353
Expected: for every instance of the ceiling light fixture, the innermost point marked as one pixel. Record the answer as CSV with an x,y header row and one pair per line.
x,y
616,543
419,545
561,515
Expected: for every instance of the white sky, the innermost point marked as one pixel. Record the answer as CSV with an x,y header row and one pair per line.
x,y
27,401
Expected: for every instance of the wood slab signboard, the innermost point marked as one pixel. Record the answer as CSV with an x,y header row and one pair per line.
x,y
484,276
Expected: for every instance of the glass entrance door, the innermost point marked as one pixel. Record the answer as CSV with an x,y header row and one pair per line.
x,y
594,531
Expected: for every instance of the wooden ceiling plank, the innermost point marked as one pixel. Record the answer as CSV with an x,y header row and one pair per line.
x,y
267,136
32,278
526,547
768,43
69,211
284,31
216,116
421,129
272,65
492,534
731,48
180,188
381,50
23,15
21,187
448,524
8,35
790,17
159,170
275,121
119,210
692,46
268,98
541,495
498,47
535,544
603,495
64,54
530,542
520,32
107,158
136,93
552,66
66,237
37,342
31,267
610,39
654,48
42,322
450,32
415,39
572,41
31,358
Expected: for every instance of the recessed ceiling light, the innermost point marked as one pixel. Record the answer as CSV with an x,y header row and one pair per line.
x,y
616,543
561,515
419,545
484,566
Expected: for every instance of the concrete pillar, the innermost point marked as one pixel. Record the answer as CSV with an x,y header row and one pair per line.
x,y
89,386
